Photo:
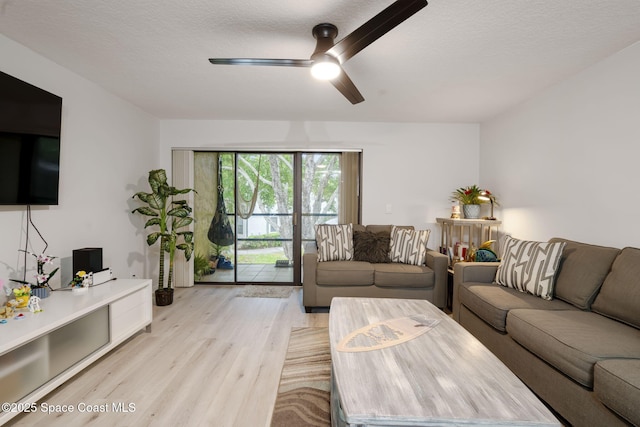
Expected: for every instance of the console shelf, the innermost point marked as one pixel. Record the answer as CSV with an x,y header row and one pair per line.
x,y
469,231
43,350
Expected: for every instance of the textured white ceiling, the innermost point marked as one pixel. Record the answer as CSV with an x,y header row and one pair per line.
x,y
454,61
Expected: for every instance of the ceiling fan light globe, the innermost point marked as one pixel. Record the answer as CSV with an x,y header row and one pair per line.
x,y
325,70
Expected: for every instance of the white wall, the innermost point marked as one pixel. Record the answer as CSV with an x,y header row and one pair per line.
x,y
566,162
412,167
107,148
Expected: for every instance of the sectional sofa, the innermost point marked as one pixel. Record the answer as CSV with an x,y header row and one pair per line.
x,y
580,351
323,280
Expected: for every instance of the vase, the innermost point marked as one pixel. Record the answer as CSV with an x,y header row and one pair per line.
x,y
23,300
164,296
40,292
471,211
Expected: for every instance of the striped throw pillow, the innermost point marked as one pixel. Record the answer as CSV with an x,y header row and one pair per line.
x,y
408,246
335,242
530,266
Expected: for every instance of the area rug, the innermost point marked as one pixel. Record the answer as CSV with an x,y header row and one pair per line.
x,y
261,291
304,390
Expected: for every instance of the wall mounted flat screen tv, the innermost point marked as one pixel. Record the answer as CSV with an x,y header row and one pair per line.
x,y
30,120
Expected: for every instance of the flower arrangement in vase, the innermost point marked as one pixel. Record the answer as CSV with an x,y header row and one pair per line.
x,y
468,195
22,295
471,198
41,286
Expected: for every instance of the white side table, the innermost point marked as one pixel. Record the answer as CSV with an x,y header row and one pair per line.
x,y
476,231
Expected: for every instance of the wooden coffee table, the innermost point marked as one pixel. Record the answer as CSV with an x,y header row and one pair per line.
x,y
440,375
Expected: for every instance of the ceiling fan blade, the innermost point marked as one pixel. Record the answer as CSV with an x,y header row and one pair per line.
x,y
346,87
261,61
375,28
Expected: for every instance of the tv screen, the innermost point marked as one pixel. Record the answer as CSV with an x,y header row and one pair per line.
x,y
30,121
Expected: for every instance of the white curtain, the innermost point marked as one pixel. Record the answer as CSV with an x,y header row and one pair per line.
x,y
182,177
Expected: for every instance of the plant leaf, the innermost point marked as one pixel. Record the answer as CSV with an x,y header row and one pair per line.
x,y
184,190
145,210
53,272
142,196
187,236
156,202
182,222
187,248
152,221
153,237
157,179
179,212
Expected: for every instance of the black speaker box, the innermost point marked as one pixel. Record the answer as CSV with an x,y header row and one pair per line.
x,y
87,259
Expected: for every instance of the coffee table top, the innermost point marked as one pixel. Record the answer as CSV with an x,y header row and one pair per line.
x,y
438,377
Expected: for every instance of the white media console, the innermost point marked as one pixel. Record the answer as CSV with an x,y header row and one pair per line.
x,y
40,351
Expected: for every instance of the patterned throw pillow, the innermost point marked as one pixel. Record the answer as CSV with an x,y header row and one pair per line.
x,y
408,246
530,266
335,242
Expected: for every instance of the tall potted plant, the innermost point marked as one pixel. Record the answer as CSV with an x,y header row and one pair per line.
x,y
169,216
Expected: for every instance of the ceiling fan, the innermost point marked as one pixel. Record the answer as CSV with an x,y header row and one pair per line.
x,y
327,59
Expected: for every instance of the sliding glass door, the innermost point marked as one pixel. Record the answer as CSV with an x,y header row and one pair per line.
x,y
265,217
320,192
255,211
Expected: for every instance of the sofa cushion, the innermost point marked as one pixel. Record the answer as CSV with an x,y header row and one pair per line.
x,y
582,270
619,297
403,276
573,341
359,227
344,273
408,246
386,228
335,242
530,266
617,384
371,247
491,302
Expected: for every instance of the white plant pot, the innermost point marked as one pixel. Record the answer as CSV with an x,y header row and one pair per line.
x,y
471,211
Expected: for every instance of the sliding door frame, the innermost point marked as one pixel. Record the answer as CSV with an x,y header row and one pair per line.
x,y
183,176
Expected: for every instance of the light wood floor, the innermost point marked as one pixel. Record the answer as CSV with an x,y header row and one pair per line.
x,y
213,358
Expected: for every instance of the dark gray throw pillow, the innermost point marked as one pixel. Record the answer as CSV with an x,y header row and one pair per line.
x,y
371,247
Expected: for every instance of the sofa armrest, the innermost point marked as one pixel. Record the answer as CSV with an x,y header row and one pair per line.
x,y
309,266
438,263
483,272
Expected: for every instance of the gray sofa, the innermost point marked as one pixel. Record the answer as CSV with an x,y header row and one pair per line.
x,y
580,351
324,280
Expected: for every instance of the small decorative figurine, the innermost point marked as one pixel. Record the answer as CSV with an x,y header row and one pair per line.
x,y
7,311
87,280
34,304
455,211
81,281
